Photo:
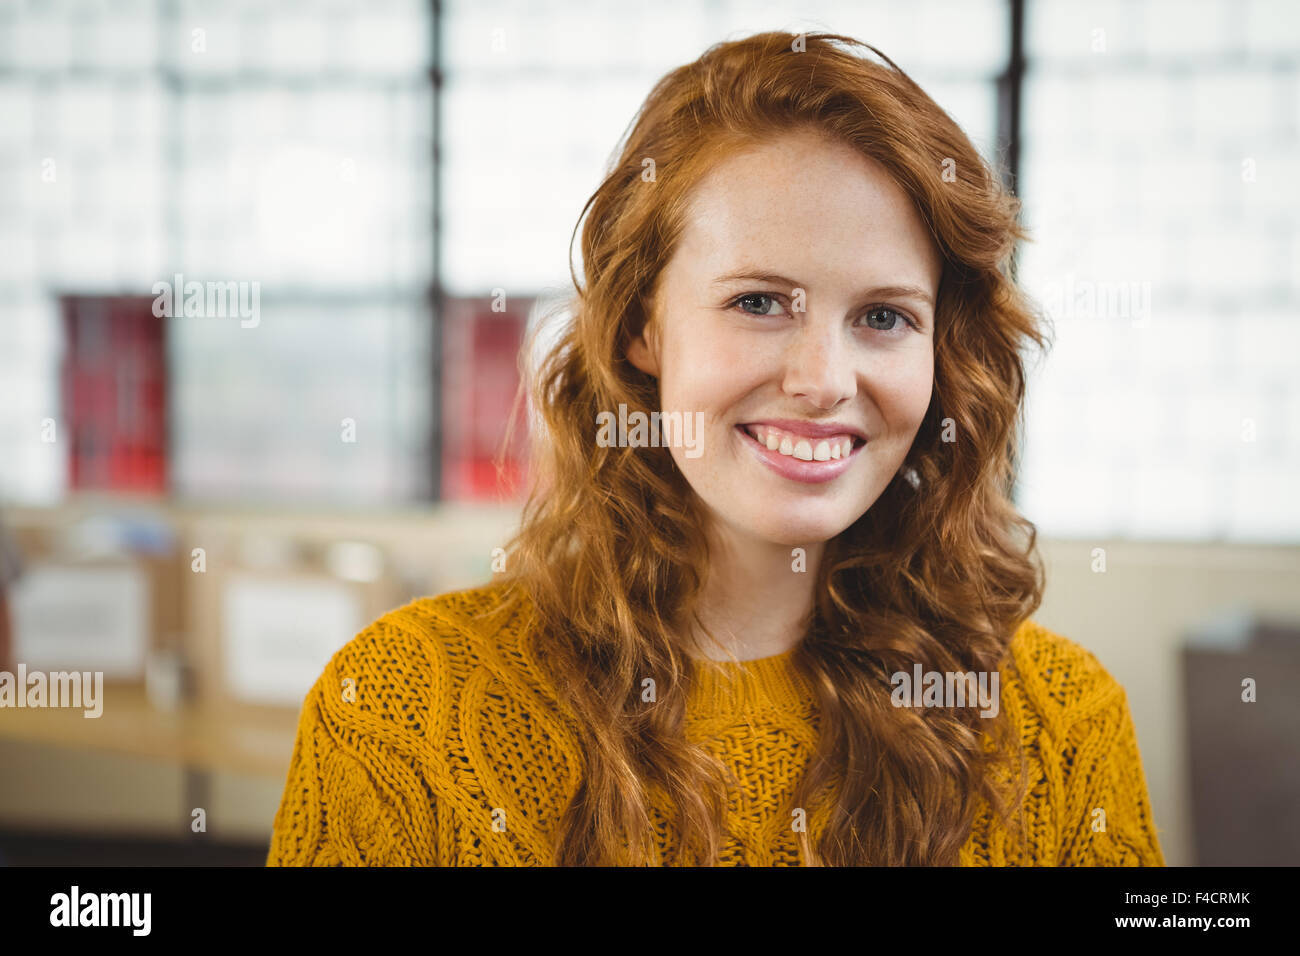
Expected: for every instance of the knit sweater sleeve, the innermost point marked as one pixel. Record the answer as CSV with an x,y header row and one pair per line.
x,y
1106,818
356,792
332,812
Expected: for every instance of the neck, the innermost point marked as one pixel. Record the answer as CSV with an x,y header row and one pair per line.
x,y
754,601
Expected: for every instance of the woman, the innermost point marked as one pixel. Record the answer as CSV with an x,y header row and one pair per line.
x,y
769,603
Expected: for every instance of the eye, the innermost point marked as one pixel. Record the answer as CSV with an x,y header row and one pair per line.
x,y
760,298
881,318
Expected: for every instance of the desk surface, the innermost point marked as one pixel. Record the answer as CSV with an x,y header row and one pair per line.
x,y
231,738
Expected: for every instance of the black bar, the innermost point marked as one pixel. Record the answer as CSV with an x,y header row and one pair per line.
x,y
1010,87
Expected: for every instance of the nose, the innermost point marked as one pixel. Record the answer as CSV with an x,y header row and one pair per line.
x,y
819,364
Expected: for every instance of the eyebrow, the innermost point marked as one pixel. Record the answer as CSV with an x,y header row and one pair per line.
x,y
884,291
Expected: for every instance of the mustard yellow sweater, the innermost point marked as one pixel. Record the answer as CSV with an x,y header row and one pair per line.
x,y
428,742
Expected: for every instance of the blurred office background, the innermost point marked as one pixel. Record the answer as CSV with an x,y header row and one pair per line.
x,y
205,506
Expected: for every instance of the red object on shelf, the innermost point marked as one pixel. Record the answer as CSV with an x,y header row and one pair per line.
x,y
114,381
480,383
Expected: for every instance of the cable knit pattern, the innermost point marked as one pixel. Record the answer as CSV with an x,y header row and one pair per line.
x,y
428,741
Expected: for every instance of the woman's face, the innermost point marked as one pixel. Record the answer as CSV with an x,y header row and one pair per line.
x,y
796,316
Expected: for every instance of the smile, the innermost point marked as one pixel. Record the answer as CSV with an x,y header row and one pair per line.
x,y
803,457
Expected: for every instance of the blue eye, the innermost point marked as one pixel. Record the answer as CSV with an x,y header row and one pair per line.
x,y
756,295
889,323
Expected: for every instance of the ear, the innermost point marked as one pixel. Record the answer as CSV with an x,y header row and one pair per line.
x,y
642,351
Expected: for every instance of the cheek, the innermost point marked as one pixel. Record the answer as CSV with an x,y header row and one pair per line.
x,y
708,373
902,393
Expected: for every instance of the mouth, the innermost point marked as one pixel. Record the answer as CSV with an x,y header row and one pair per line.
x,y
805,444
806,453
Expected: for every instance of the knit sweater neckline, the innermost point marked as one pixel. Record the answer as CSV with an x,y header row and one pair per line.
x,y
760,684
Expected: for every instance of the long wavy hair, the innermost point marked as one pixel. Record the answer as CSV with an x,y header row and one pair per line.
x,y
611,554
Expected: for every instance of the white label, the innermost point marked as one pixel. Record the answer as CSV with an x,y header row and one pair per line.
x,y
278,635
82,618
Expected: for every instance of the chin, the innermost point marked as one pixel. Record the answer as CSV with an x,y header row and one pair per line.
x,y
799,534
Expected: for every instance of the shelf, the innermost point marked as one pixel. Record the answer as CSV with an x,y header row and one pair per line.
x,y
235,739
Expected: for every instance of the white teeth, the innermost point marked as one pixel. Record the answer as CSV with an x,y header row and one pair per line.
x,y
828,449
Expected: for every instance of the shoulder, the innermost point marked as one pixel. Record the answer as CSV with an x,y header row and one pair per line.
x,y
1061,683
406,671
429,631
1073,721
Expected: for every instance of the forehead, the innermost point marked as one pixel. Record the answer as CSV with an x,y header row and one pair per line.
x,y
805,205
